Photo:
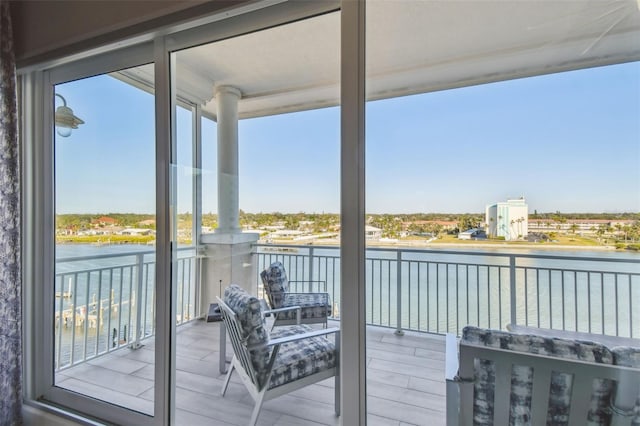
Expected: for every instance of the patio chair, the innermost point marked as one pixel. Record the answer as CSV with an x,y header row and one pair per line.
x,y
313,308
271,366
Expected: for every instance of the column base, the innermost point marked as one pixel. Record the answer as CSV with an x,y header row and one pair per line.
x,y
228,260
229,238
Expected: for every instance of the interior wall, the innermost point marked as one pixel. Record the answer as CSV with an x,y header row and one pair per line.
x,y
46,30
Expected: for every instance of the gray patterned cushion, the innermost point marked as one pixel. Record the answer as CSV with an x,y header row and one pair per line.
x,y
254,330
274,279
301,358
629,357
522,377
314,305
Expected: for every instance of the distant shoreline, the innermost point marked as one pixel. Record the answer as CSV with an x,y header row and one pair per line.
x,y
516,246
471,245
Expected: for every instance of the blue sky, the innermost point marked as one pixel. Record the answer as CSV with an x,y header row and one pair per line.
x,y
568,142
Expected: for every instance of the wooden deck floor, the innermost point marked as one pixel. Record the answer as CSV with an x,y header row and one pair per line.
x,y
405,383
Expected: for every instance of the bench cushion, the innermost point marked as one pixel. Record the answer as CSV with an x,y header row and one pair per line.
x,y
274,280
522,377
301,358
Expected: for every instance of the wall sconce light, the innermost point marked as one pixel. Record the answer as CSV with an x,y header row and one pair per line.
x,y
65,120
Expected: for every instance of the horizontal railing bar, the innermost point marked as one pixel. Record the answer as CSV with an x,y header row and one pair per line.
x,y
460,253
114,255
584,271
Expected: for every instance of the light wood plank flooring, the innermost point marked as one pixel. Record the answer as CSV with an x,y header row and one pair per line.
x,y
405,383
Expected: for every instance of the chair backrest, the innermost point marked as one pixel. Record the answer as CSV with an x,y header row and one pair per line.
x,y
242,315
274,280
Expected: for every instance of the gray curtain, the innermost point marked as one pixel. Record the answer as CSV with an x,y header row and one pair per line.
x,y
10,277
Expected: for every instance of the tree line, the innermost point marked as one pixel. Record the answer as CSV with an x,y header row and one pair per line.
x,y
391,224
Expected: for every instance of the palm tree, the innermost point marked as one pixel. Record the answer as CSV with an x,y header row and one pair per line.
x,y
520,221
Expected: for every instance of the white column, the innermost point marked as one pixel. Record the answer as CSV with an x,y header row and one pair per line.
x,y
228,251
228,204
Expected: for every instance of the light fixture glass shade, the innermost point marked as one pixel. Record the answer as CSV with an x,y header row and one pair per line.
x,y
65,121
65,132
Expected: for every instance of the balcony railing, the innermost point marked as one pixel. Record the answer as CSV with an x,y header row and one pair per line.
x,y
441,291
106,302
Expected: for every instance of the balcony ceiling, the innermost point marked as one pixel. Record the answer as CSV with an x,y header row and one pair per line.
x,y
412,47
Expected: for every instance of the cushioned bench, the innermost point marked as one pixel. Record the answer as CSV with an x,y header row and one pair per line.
x,y
515,378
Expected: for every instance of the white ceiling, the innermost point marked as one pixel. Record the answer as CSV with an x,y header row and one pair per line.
x,y
412,47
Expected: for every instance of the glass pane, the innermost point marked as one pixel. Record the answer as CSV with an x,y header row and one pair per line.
x,y
499,184
105,233
270,192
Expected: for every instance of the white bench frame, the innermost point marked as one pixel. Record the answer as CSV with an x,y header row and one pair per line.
x,y
459,372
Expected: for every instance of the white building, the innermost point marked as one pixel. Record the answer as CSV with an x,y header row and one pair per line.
x,y
372,233
508,219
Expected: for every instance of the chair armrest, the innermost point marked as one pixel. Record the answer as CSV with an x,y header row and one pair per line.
x,y
301,336
283,309
295,337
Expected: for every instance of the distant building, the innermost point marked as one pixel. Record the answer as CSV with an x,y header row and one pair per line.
x,y
372,233
136,231
508,219
104,221
472,234
286,234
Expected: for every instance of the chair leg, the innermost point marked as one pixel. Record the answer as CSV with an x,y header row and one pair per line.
x,y
257,407
227,379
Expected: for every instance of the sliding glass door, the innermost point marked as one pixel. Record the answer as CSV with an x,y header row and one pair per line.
x,y
171,180
100,300
255,180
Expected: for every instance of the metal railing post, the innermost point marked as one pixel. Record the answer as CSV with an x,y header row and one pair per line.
x,y
399,331
140,262
512,288
198,284
311,271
